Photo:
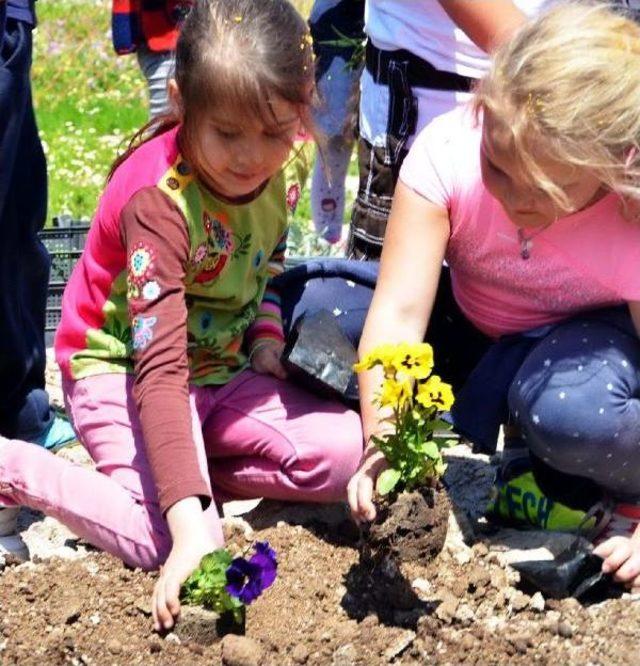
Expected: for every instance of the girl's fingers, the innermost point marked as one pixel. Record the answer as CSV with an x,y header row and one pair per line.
x,y
629,570
154,611
173,597
618,555
365,498
164,615
606,548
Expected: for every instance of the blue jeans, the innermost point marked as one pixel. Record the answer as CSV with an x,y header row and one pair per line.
x,y
24,262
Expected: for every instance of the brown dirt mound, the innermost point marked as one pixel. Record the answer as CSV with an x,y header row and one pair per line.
x,y
323,609
410,526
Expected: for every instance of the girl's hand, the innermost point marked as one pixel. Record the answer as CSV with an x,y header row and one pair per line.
x,y
265,359
181,563
361,485
621,557
192,540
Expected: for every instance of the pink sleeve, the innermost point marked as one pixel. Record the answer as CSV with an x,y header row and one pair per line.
x,y
428,168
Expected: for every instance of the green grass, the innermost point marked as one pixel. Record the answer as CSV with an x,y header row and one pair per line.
x,y
89,102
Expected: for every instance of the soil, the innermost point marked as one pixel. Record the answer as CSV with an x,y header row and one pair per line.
x,y
409,526
321,610
73,605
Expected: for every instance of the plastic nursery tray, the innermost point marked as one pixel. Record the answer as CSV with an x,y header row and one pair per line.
x,y
65,245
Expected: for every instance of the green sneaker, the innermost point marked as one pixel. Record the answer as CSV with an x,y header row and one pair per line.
x,y
517,501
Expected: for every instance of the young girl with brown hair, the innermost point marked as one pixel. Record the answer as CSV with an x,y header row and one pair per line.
x,y
171,334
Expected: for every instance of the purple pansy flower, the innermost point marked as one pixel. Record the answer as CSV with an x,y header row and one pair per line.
x,y
247,579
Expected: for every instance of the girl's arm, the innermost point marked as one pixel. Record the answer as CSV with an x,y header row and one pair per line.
x,y
487,23
156,240
414,248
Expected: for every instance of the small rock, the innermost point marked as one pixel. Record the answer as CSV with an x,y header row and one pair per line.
x,y
326,637
462,557
172,638
520,601
422,587
399,645
114,646
300,654
200,625
536,603
143,604
447,609
468,641
95,618
369,621
346,655
480,549
464,614
240,651
565,630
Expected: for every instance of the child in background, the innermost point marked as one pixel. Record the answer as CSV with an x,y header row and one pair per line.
x,y
533,199
170,336
150,29
337,30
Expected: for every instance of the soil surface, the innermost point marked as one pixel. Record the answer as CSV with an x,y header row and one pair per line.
x,y
72,605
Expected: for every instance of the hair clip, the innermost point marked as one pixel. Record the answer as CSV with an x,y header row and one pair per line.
x,y
238,18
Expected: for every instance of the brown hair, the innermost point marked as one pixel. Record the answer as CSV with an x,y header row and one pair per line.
x,y
236,54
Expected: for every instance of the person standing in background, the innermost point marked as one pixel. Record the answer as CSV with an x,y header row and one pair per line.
x,y
25,412
419,64
337,28
150,29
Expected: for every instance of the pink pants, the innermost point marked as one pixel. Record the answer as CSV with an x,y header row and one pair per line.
x,y
256,437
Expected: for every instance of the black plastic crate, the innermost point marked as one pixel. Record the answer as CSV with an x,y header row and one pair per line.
x,y
65,245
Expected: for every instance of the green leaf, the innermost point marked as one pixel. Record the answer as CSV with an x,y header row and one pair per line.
x,y
387,481
431,449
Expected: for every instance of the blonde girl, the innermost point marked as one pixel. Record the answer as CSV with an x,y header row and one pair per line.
x,y
171,334
531,195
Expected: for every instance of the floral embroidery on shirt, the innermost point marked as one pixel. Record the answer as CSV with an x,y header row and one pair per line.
x,y
141,264
143,331
293,195
221,245
151,290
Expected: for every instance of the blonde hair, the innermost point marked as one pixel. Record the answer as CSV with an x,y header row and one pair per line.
x,y
569,83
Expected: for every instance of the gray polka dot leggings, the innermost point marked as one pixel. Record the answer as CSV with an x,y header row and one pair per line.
x,y
576,399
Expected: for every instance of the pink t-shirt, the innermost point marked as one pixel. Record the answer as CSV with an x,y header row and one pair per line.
x,y
583,261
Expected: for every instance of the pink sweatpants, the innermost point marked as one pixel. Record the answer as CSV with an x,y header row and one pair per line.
x,y
256,437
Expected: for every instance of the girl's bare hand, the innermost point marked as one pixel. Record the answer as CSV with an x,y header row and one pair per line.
x,y
266,359
362,483
621,557
181,563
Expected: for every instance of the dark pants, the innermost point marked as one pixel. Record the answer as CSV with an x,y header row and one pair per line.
x,y
24,262
577,399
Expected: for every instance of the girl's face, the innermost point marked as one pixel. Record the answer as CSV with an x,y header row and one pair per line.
x,y
526,205
235,155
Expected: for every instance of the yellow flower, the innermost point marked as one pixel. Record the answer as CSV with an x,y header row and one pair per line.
x,y
395,393
383,355
415,360
435,393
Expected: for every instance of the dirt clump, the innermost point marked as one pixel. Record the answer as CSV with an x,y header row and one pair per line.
x,y
409,526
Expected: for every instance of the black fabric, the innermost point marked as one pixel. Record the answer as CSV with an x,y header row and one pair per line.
x,y
420,73
24,262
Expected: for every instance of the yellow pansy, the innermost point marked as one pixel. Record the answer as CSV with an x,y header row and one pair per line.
x,y
395,393
416,360
383,355
435,393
